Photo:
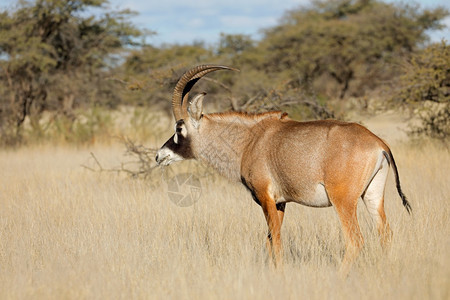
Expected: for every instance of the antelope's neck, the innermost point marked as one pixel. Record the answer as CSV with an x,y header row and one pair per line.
x,y
222,141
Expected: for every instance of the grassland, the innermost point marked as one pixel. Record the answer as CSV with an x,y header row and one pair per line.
x,y
69,233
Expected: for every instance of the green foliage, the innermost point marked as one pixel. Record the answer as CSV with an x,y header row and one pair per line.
x,y
55,57
234,44
149,58
58,58
425,85
345,41
232,47
149,74
328,50
427,76
435,121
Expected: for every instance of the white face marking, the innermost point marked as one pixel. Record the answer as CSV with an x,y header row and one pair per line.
x,y
167,156
175,137
183,131
179,130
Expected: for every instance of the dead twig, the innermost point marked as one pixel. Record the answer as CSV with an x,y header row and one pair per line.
x,y
142,160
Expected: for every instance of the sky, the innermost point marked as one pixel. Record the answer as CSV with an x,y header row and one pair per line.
x,y
183,22
186,22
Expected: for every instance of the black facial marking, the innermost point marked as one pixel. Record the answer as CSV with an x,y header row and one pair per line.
x,y
180,123
183,147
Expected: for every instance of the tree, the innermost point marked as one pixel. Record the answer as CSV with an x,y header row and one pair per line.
x,y
425,86
233,44
52,52
149,73
150,58
346,41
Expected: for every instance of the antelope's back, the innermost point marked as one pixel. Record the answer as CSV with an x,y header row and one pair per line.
x,y
301,155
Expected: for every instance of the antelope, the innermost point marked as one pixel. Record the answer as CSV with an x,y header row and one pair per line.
x,y
279,160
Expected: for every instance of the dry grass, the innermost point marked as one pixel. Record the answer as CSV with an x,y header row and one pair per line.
x,y
66,232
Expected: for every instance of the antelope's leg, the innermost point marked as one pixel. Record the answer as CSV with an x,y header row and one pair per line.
x,y
345,204
374,200
375,206
274,223
280,208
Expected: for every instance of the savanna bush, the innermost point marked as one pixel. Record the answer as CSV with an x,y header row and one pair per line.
x,y
425,87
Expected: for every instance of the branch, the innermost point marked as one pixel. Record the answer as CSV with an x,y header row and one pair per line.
x,y
143,159
233,102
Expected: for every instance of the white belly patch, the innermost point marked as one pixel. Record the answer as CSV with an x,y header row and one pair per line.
x,y
319,197
316,197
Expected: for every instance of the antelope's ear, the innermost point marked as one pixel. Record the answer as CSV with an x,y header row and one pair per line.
x,y
195,109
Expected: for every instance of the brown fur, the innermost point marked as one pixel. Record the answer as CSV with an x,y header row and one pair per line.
x,y
279,160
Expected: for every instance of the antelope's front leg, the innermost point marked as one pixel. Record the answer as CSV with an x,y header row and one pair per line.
x,y
274,223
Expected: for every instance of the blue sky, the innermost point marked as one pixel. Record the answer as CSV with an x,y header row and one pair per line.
x,y
181,21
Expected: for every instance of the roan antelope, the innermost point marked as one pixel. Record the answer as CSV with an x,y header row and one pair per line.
x,y
279,160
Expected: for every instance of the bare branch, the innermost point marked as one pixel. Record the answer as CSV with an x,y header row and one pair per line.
x,y
143,160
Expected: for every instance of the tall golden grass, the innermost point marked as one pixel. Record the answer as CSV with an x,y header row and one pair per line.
x,y
69,233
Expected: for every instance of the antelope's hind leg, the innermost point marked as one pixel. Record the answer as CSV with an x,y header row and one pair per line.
x,y
373,198
345,202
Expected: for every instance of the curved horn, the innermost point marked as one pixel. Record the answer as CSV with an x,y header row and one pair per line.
x,y
185,84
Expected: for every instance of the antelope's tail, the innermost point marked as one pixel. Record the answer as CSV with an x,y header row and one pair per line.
x,y
391,160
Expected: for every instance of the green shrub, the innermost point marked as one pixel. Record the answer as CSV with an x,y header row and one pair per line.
x,y
425,87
